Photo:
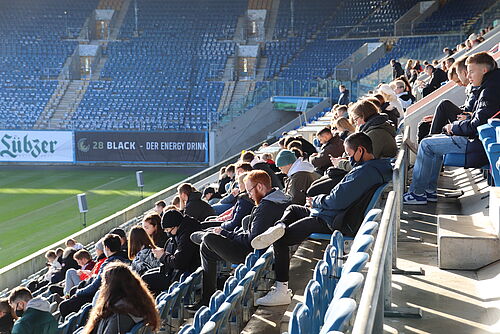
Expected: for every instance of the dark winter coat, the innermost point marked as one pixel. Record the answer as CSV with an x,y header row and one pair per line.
x,y
438,77
397,70
181,253
263,216
344,98
362,178
222,184
382,134
486,105
198,208
334,147
242,208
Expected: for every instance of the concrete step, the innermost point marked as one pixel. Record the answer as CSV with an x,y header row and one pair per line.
x,y
466,242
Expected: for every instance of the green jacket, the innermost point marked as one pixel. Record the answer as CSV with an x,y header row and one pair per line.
x,y
37,319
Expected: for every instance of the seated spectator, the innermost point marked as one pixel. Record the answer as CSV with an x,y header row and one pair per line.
x,y
414,76
123,240
67,263
460,136
53,265
59,254
152,225
391,106
257,163
343,127
397,69
446,111
449,63
123,301
140,250
331,145
159,207
267,157
298,222
344,95
300,175
222,245
112,250
408,68
6,317
176,201
417,66
228,201
437,77
179,254
377,127
225,178
73,244
230,220
307,147
192,204
33,313
75,276
210,195
100,258
340,111
405,97
242,208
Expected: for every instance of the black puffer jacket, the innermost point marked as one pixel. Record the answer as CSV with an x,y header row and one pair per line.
x,y
486,105
180,252
198,208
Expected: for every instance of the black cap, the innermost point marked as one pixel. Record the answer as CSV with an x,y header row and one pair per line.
x,y
171,218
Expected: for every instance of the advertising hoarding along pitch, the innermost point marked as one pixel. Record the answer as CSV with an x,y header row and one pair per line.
x,y
36,146
147,147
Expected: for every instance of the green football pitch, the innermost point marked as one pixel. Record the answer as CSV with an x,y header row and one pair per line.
x,y
38,206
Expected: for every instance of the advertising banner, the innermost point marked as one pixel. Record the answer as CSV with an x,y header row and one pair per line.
x,y
146,147
36,146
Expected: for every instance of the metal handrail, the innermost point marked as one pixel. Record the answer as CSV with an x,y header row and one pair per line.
x,y
369,305
377,294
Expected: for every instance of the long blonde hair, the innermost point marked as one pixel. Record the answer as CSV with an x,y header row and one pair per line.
x,y
343,123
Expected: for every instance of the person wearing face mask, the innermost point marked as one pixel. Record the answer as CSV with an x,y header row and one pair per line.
x,y
112,250
459,137
33,314
321,215
179,254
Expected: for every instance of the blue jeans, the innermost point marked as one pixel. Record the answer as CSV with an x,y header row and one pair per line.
x,y
430,159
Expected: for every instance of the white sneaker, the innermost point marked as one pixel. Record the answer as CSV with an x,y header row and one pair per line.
x,y
268,237
275,297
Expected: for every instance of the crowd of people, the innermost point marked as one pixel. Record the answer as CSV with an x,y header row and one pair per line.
x,y
263,200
